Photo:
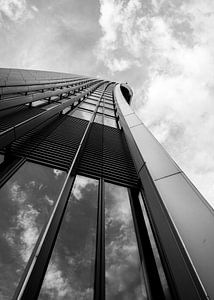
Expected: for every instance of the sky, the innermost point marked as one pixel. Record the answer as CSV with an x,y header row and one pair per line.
x,y
164,49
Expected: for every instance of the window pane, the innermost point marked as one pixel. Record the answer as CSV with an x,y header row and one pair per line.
x,y
124,278
87,106
110,122
155,251
82,114
109,106
91,101
93,98
70,274
26,201
1,158
98,119
109,112
100,109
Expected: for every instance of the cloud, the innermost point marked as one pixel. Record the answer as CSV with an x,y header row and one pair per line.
x,y
80,183
172,42
15,10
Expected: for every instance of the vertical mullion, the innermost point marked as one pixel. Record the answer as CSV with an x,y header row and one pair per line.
x,y
150,272
99,282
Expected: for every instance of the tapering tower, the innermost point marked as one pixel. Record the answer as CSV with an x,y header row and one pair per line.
x,y
92,206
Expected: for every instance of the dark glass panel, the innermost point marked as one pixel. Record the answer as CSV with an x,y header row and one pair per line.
x,y
124,278
70,274
155,252
1,158
110,122
82,114
26,201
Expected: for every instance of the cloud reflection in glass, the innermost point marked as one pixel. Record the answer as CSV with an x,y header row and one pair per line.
x,y
26,201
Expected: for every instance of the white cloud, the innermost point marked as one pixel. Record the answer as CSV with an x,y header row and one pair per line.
x,y
173,43
80,183
34,8
15,10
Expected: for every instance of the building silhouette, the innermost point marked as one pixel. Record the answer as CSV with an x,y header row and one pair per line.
x,y
91,205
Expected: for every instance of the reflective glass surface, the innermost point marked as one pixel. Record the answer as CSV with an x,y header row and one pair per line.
x,y
100,109
110,122
26,201
98,119
107,105
124,278
82,114
155,252
70,274
1,158
108,101
91,101
109,111
87,106
94,97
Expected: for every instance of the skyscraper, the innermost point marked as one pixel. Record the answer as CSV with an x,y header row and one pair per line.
x,y
92,207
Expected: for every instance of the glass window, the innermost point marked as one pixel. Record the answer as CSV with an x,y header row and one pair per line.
x,y
109,112
110,122
155,252
26,201
87,106
70,274
82,114
100,109
1,158
109,105
108,101
98,119
91,101
93,97
124,278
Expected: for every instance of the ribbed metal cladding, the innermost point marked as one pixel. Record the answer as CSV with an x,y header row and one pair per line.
x,y
18,115
106,155
54,145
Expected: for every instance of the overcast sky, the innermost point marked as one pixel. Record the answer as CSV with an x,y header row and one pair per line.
x,y
164,49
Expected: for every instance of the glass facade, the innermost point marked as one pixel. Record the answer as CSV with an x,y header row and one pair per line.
x,y
70,273
27,200
124,278
82,216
